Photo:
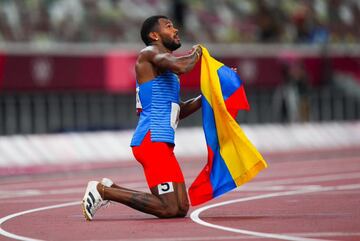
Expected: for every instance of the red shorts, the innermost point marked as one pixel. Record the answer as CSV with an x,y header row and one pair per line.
x,y
159,162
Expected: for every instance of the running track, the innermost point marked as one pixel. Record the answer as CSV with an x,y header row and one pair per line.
x,y
302,196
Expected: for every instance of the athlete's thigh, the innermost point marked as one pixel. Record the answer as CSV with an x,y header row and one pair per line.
x,y
159,163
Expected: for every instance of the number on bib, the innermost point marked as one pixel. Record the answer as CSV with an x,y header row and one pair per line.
x,y
165,187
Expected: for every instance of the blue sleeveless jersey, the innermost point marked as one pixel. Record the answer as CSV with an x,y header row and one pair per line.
x,y
158,101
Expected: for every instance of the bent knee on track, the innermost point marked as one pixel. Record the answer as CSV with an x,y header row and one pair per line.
x,y
174,211
183,209
169,212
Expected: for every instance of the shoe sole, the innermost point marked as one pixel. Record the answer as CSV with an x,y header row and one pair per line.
x,y
84,211
87,215
83,205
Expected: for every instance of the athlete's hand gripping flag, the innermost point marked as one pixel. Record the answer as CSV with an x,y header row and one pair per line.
x,y
232,159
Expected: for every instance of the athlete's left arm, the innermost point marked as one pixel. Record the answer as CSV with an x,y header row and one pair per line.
x,y
190,106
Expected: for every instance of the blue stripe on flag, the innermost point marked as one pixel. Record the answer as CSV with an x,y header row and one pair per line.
x,y
220,177
229,81
209,125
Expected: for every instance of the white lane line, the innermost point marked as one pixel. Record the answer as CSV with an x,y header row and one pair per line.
x,y
40,183
308,179
238,237
4,194
37,192
195,217
309,189
195,214
38,200
18,237
278,188
327,234
255,186
202,238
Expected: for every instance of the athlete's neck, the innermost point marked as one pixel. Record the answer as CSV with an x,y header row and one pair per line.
x,y
162,48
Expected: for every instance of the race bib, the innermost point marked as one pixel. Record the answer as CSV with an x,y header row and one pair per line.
x,y
165,187
138,102
175,112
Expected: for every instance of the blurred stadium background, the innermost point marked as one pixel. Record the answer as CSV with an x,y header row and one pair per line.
x,y
67,65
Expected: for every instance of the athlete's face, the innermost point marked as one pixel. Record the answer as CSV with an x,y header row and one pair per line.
x,y
169,34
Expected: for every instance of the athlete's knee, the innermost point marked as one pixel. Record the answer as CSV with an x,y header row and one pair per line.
x,y
170,211
183,209
174,210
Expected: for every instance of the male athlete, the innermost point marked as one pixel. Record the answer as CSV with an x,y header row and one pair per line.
x,y
160,109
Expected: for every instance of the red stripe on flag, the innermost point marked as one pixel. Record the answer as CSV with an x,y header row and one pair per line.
x,y
201,190
237,101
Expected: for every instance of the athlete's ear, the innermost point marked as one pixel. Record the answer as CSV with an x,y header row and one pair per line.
x,y
154,36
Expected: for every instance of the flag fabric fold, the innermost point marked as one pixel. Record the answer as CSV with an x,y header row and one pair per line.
x,y
232,159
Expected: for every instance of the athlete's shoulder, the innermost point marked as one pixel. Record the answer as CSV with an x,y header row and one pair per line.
x,y
147,54
149,51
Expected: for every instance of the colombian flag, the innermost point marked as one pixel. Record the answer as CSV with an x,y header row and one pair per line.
x,y
232,159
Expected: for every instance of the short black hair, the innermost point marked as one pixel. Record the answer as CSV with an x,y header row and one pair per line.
x,y
148,26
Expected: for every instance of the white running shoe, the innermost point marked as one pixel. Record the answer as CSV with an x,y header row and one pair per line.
x,y
107,183
92,200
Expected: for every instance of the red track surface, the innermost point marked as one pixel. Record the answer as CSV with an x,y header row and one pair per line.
x,y
301,196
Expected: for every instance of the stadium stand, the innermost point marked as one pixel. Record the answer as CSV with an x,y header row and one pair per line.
x,y
285,21
299,59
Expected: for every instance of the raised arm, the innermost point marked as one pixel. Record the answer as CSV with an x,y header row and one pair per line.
x,y
178,65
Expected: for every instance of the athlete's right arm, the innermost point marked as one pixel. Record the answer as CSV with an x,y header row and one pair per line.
x,y
178,65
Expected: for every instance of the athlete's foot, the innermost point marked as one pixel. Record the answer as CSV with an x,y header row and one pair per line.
x,y
92,200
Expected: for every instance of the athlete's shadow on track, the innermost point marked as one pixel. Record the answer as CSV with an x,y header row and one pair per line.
x,y
142,219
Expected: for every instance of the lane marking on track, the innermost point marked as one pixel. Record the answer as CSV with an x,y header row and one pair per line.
x,y
308,189
277,185
18,237
10,195
195,214
5,194
235,237
23,181
38,200
238,237
305,179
